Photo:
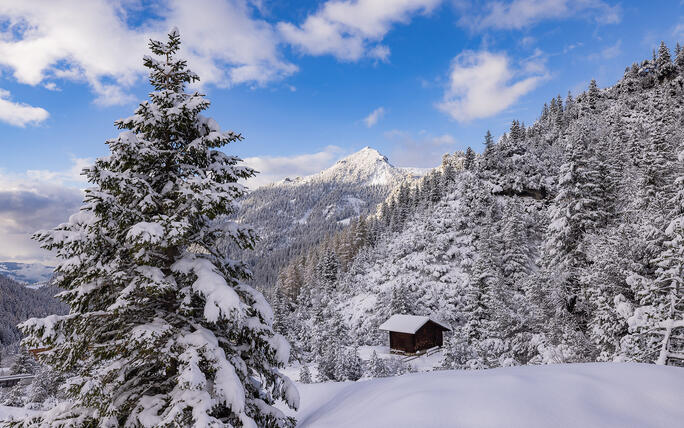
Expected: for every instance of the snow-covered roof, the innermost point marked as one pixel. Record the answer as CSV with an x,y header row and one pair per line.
x,y
408,323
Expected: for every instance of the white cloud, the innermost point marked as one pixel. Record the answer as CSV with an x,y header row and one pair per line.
x,y
373,118
423,151
612,51
481,84
51,86
517,14
275,168
352,29
92,42
19,114
35,200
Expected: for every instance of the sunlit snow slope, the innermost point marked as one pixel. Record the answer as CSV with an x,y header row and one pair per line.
x,y
575,395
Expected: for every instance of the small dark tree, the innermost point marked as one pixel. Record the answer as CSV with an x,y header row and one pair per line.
x,y
488,141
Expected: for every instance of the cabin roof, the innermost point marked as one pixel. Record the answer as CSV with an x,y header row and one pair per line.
x,y
409,323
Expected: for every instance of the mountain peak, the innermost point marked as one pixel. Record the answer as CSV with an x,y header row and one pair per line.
x,y
365,156
364,167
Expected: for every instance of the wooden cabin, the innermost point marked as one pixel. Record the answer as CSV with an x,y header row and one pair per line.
x,y
411,333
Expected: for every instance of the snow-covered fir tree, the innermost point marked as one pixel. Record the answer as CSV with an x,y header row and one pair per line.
x,y
163,330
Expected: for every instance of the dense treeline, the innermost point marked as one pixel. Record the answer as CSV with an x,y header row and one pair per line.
x,y
561,242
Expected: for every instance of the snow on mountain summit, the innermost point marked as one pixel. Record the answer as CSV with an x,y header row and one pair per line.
x,y
367,167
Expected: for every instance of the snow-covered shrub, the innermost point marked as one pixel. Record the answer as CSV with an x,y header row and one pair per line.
x,y
377,366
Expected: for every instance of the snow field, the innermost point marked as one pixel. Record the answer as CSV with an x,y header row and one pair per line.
x,y
606,395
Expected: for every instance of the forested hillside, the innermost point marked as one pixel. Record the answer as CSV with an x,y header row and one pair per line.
x,y
19,303
561,242
296,214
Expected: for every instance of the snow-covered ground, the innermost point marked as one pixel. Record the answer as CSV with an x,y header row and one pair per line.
x,y
422,363
602,395
8,413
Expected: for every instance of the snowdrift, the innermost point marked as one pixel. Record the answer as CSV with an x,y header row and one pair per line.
x,y
601,395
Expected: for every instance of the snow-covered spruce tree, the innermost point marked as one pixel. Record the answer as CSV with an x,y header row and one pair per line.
x,y
162,330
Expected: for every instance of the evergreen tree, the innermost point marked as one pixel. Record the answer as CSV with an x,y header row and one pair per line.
x,y
668,294
400,302
488,141
593,94
45,386
329,362
353,369
469,160
304,375
515,253
664,65
449,172
376,366
559,114
435,189
516,133
362,234
569,102
329,267
24,363
577,211
679,59
162,330
658,161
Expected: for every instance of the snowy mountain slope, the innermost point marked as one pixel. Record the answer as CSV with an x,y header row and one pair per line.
x,y
27,273
559,243
560,396
294,214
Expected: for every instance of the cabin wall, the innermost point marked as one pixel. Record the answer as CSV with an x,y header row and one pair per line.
x,y
402,341
428,336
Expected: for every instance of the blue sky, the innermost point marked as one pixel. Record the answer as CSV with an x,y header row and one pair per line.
x,y
305,82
